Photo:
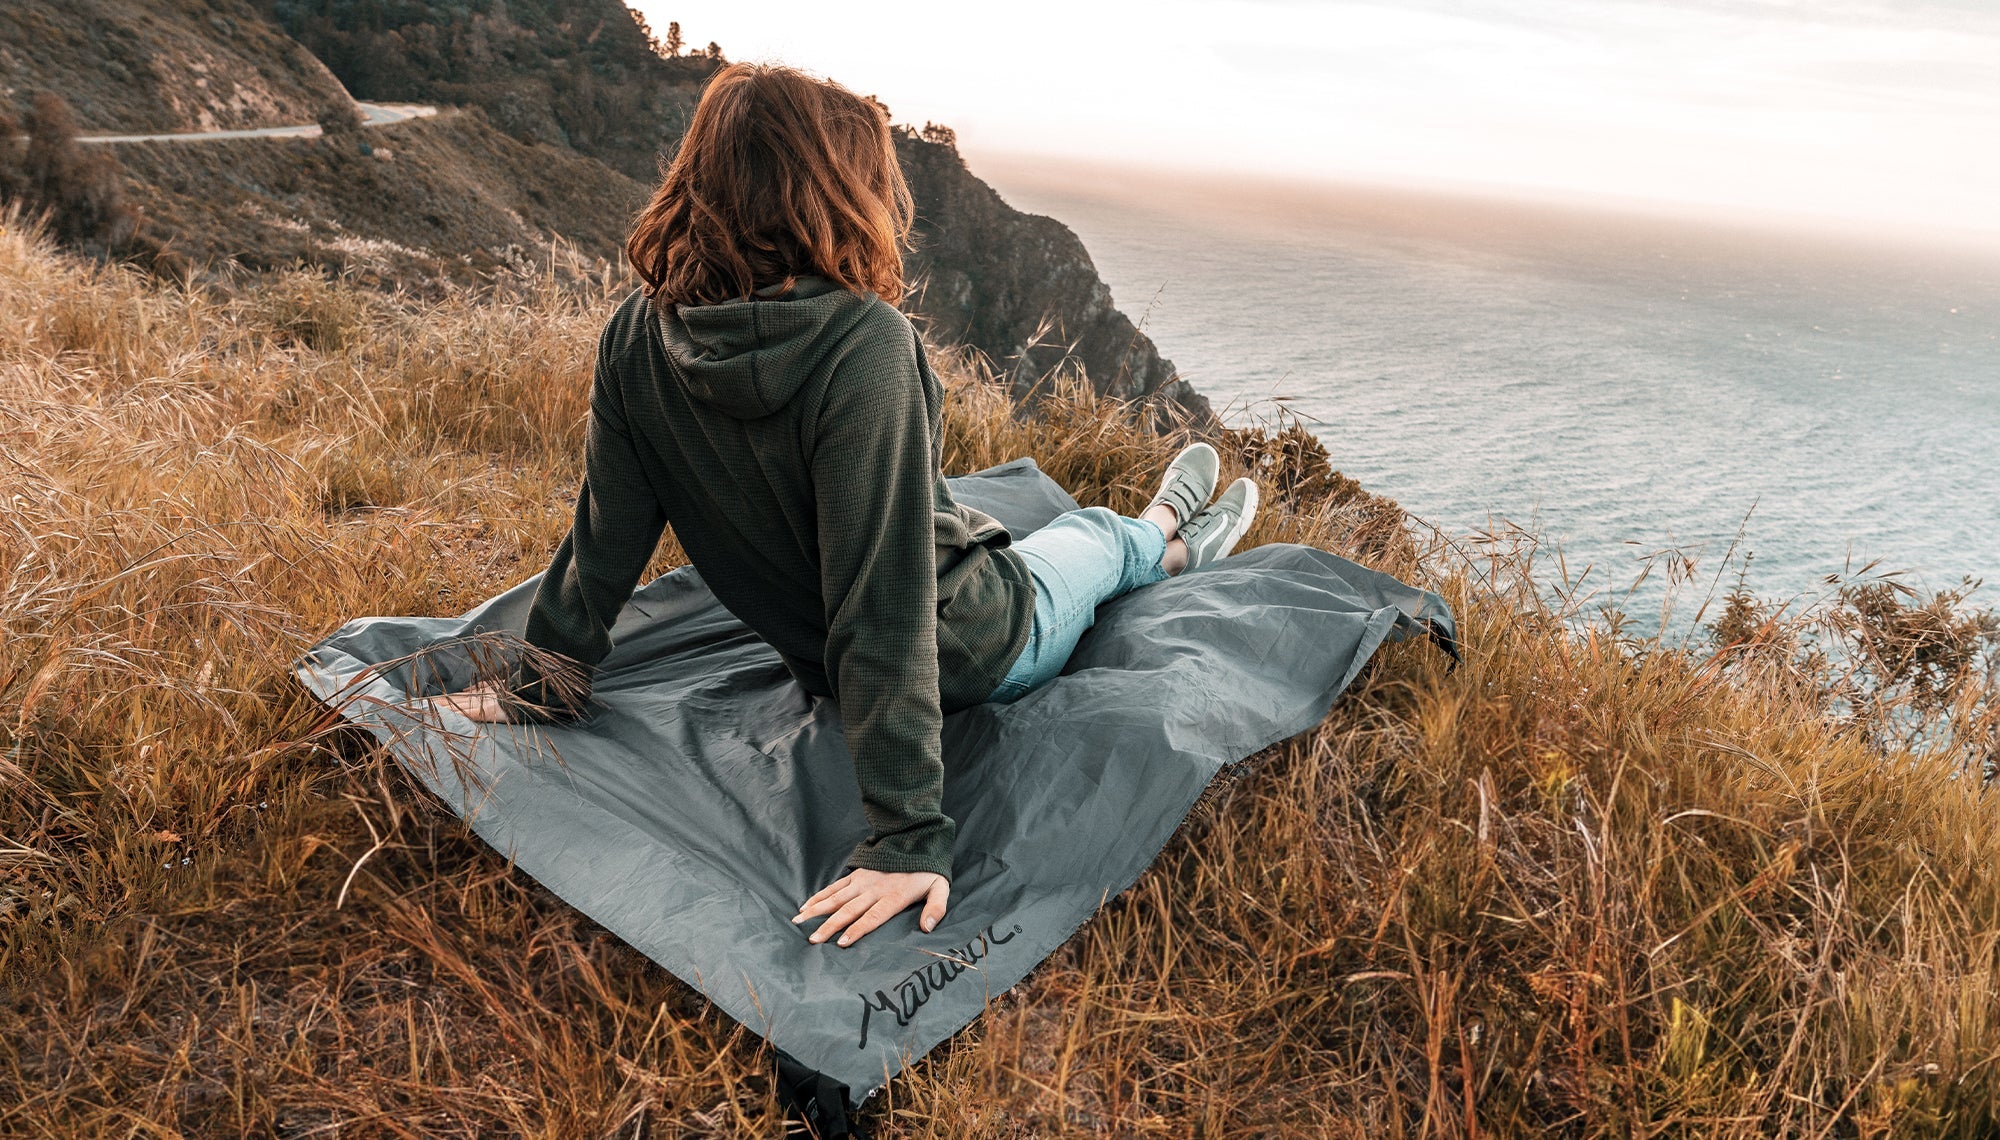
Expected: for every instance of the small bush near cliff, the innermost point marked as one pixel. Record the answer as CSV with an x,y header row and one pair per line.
x,y
74,192
339,119
1577,887
1903,669
45,171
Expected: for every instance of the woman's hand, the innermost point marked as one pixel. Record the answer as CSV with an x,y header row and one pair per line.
x,y
862,900
480,703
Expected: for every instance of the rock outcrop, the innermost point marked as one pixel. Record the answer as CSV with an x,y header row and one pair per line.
x,y
1020,287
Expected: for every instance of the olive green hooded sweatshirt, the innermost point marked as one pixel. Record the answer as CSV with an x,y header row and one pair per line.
x,y
794,443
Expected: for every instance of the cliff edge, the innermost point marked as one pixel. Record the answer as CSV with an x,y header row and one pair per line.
x,y
988,275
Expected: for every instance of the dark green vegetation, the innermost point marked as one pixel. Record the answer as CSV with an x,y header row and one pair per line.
x,y
584,74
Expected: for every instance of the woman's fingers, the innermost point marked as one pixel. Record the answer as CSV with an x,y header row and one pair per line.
x,y
489,702
934,902
472,706
872,898
480,703
827,901
849,911
832,888
886,907
838,886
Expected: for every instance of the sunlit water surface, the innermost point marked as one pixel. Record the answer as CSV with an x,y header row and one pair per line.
x,y
1623,384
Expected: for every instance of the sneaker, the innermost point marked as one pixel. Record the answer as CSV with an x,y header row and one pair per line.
x,y
1189,481
1213,533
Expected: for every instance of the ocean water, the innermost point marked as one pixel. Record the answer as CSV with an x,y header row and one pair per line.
x,y
1623,385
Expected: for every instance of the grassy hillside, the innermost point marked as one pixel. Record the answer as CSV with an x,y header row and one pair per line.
x,y
160,65
1578,887
413,204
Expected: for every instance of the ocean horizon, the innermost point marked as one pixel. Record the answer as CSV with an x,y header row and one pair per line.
x,y
1623,384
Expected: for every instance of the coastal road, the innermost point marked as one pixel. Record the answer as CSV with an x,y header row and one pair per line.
x,y
372,115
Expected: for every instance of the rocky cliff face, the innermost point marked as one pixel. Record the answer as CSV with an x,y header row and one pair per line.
x,y
1020,287
160,65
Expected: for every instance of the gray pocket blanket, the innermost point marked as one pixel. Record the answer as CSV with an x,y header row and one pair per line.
x,y
706,795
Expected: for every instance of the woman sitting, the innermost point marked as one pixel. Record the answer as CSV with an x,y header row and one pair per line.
x,y
763,395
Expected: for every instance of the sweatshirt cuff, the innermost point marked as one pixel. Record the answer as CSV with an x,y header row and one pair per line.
x,y
923,848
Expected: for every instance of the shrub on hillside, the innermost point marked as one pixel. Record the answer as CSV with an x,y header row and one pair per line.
x,y
339,118
77,189
1903,669
76,192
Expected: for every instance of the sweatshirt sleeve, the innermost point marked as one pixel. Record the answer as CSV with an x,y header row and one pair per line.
x,y
617,527
874,476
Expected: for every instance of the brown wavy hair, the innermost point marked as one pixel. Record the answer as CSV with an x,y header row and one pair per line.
x,y
781,174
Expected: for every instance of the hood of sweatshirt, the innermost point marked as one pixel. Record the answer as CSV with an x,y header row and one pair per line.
x,y
749,358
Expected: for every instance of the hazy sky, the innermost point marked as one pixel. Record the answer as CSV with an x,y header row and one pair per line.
x,y
1839,108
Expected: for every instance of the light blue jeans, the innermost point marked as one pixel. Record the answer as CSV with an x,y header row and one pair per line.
x,y
1080,560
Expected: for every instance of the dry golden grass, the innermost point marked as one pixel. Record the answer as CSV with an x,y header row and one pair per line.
x,y
1579,886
